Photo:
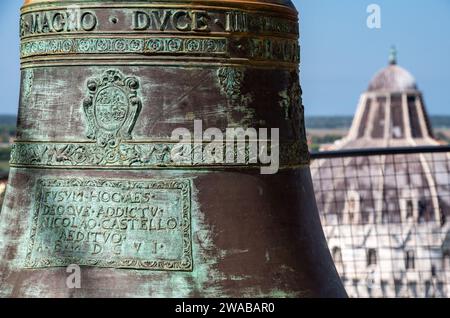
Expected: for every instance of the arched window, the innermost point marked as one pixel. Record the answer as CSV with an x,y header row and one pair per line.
x,y
352,207
371,257
409,206
337,255
409,209
446,260
433,271
422,211
410,260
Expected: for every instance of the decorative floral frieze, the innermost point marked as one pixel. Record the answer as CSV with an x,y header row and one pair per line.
x,y
155,45
139,155
283,50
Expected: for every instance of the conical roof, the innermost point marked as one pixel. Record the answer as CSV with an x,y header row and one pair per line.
x,y
391,112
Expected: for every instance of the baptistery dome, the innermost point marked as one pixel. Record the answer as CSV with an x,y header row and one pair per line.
x,y
386,217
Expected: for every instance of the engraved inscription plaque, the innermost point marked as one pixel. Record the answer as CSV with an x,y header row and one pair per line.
x,y
111,223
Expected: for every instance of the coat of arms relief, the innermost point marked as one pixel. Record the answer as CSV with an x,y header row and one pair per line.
x,y
111,108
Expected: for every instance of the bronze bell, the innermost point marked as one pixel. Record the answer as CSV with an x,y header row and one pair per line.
x,y
98,181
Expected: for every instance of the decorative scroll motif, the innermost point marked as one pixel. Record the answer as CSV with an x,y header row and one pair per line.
x,y
111,108
290,99
135,155
291,104
28,79
261,24
155,45
275,49
286,104
111,223
230,81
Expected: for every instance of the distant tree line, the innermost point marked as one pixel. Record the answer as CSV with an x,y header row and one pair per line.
x,y
6,132
328,122
312,122
4,154
440,121
8,120
344,122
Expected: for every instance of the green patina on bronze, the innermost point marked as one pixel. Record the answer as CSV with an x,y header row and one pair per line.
x,y
94,180
230,80
109,223
111,109
212,33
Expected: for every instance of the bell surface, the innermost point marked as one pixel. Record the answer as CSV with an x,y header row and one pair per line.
x,y
97,180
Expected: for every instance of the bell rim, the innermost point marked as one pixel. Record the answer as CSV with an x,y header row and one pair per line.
x,y
275,3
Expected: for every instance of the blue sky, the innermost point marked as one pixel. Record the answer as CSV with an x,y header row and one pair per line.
x,y
340,54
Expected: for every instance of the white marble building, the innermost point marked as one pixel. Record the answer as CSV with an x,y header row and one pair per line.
x,y
387,217
3,182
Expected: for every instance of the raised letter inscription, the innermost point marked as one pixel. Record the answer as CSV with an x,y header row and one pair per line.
x,y
110,223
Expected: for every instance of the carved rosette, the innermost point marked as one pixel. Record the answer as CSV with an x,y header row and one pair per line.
x,y
111,108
